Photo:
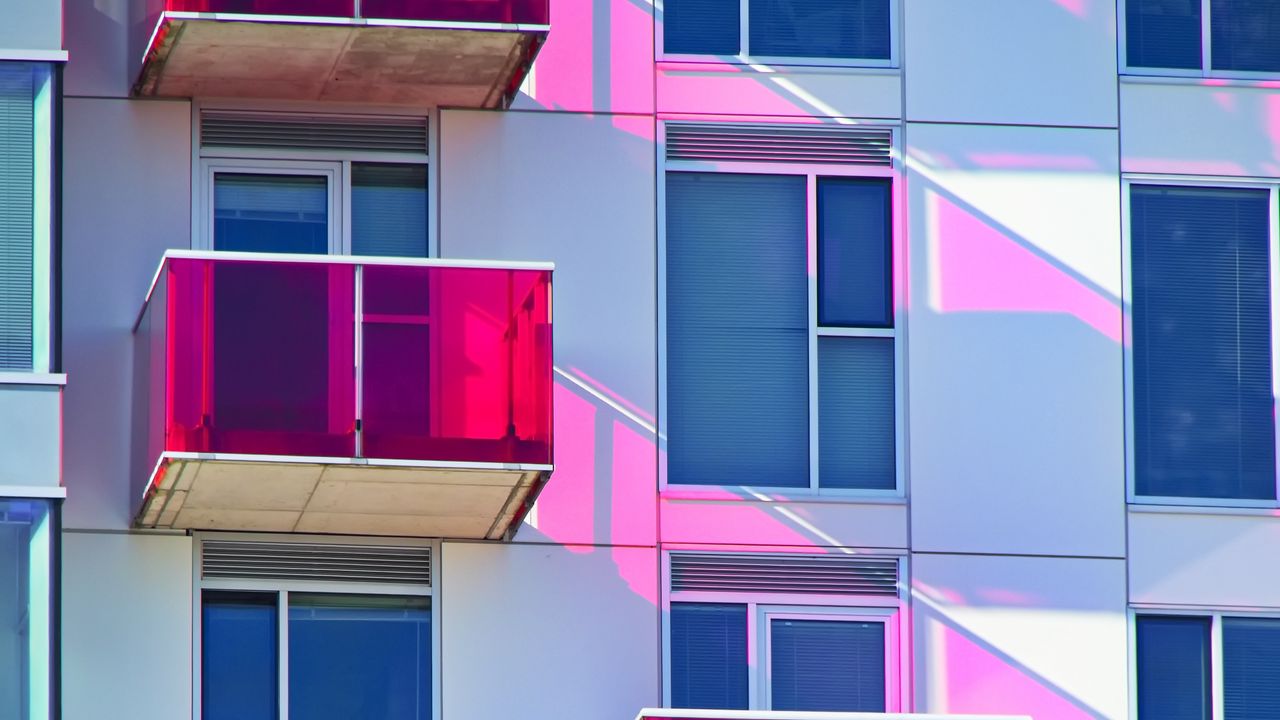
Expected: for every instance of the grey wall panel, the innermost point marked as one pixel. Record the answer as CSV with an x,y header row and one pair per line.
x,y
30,435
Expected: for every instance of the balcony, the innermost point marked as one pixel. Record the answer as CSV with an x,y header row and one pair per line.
x,y
318,394
457,53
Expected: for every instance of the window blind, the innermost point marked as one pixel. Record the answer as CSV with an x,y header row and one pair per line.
x,y
238,656
701,27
271,213
850,29
1203,424
17,214
737,330
854,251
1250,668
709,656
1163,33
1173,668
1246,35
856,437
827,665
389,210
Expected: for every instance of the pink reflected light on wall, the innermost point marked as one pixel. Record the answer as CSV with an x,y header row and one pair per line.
x,y
982,270
566,507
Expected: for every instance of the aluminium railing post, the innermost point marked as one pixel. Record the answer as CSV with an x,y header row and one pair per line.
x,y
356,361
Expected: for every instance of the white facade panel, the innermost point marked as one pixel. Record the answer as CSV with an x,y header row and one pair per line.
x,y
1042,62
1016,411
1207,558
778,91
1040,636
1200,127
30,25
98,39
792,523
126,626
30,435
126,190
577,190
545,631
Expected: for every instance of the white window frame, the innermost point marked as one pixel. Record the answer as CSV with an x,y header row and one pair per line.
x,y
744,56
1206,69
1128,180
897,333
1214,616
761,607
280,161
282,588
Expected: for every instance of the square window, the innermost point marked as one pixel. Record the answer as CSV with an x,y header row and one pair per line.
x,y
848,32
1164,35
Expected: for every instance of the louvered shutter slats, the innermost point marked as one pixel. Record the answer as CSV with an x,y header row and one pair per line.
x,y
828,144
710,572
318,132
316,562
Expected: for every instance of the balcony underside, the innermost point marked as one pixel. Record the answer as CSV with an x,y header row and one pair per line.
x,y
212,492
346,61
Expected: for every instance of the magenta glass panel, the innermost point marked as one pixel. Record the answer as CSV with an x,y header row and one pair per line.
x,y
456,364
529,12
312,8
261,357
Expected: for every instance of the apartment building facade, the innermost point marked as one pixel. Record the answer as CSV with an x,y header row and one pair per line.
x,y
903,356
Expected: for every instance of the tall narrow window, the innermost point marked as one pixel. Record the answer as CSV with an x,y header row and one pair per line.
x,y
826,665
1173,668
389,209
271,213
26,608
1203,404
1250,668
737,330
709,656
238,656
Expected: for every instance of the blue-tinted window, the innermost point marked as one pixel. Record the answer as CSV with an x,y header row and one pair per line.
x,y
1246,35
856,413
827,665
849,29
701,27
271,213
1203,405
854,251
389,210
737,330
1163,33
1250,668
238,648
27,572
1173,668
709,656
359,657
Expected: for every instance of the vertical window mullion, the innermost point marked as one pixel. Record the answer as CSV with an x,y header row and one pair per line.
x,y
282,664
744,29
1273,254
1216,696
1206,37
343,223
754,654
811,269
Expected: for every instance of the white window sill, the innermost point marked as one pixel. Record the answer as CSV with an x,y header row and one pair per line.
x,y
1200,80
9,377
1264,508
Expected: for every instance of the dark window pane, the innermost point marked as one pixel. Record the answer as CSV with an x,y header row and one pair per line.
x,y
359,657
1246,35
709,656
856,413
854,251
389,210
271,213
238,656
26,607
1173,668
17,208
701,27
827,665
849,29
1251,668
1163,33
1203,424
737,330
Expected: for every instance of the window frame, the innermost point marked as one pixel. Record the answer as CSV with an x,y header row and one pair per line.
x,y
1215,615
1206,69
1127,181
282,588
897,332
52,497
744,56
282,161
761,607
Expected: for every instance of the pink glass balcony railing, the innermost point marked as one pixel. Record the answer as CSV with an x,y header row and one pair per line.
x,y
522,12
428,363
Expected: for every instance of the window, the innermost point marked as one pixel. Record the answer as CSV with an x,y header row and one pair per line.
x,y
314,184
749,645
28,672
1202,371
852,32
1179,655
26,216
1218,37
776,378
315,631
